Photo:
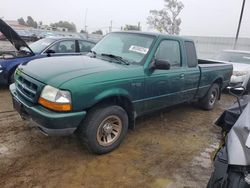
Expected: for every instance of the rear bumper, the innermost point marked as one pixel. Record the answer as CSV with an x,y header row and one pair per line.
x,y
49,122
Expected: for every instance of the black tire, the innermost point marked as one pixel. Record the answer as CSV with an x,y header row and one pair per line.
x,y
209,101
94,125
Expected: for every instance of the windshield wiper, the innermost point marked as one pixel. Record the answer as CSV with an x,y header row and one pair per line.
x,y
120,59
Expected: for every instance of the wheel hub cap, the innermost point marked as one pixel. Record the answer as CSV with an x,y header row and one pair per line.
x,y
212,98
109,130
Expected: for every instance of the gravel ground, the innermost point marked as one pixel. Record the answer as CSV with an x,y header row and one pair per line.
x,y
170,148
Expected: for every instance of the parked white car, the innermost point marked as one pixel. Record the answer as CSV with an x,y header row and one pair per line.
x,y
241,66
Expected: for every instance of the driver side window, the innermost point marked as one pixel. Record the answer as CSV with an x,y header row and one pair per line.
x,y
169,50
68,46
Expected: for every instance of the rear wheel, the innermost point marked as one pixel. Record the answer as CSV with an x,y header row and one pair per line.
x,y
104,129
209,101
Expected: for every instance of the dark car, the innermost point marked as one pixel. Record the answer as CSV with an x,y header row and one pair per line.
x,y
47,47
26,35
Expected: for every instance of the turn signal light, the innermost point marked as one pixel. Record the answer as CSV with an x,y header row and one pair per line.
x,y
54,106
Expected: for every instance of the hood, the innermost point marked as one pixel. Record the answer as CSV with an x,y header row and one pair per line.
x,y
57,70
12,36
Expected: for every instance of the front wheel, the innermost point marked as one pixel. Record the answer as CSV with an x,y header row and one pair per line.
x,y
209,101
104,129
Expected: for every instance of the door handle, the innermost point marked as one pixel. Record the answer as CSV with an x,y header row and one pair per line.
x,y
182,76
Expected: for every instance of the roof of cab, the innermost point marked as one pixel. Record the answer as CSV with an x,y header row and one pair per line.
x,y
68,38
157,34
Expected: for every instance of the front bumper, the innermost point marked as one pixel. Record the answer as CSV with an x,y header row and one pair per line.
x,y
49,122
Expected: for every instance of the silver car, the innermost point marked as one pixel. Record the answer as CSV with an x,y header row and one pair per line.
x,y
241,66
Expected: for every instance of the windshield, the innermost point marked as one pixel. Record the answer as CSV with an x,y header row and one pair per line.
x,y
129,46
40,45
235,57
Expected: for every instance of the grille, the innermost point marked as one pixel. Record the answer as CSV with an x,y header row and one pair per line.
x,y
26,88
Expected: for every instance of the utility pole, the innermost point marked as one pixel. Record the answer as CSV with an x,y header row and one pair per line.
x,y
110,27
238,30
85,20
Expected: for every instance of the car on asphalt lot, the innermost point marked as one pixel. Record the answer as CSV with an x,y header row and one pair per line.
x,y
47,47
26,35
241,66
127,75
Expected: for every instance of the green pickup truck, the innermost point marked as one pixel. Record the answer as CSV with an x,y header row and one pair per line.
x,y
126,75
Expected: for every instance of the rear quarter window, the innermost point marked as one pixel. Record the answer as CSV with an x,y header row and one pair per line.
x,y
191,54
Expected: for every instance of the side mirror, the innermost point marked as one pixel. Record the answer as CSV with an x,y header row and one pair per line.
x,y
49,52
160,64
237,91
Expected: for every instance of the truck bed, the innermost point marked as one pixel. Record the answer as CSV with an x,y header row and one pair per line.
x,y
211,63
209,70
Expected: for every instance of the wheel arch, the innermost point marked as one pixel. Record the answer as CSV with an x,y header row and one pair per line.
x,y
121,100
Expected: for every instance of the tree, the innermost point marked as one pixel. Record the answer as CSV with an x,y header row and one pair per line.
x,y
167,20
98,32
83,31
21,21
30,22
65,24
132,28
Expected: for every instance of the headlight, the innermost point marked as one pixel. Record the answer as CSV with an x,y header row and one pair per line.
x,y
55,99
240,73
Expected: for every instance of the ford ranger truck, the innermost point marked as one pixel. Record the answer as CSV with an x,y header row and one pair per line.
x,y
126,75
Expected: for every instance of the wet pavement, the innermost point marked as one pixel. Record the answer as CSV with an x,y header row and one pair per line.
x,y
170,148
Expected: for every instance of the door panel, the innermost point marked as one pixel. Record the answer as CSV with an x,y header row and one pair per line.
x,y
164,87
192,77
192,72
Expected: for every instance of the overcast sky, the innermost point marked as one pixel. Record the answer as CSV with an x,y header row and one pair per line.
x,y
199,17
